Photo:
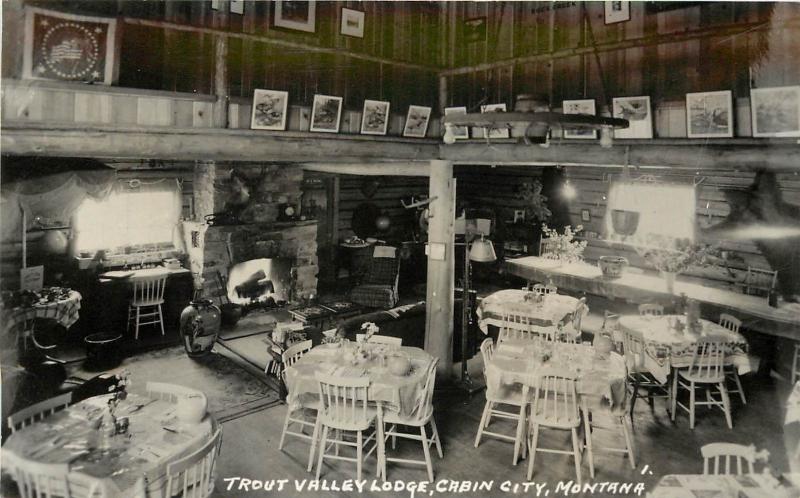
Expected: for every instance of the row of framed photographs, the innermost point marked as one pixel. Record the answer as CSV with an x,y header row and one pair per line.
x,y
300,15
775,112
270,110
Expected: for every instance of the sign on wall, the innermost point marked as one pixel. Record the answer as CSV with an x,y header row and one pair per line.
x,y
68,47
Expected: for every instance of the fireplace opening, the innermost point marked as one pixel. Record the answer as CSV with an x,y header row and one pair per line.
x,y
261,282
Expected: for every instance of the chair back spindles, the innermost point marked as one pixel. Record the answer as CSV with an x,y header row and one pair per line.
x,y
650,309
730,322
38,411
556,400
149,290
294,353
708,359
729,458
760,282
487,350
195,472
344,402
519,326
633,349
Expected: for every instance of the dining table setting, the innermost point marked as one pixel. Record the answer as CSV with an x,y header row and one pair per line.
x,y
397,374
128,461
61,304
548,310
671,342
599,373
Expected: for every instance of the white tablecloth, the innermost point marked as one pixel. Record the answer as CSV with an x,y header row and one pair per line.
x,y
555,309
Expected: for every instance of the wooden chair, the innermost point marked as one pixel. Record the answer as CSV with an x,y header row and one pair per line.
x,y
706,370
194,473
555,406
172,393
298,415
574,331
145,306
379,285
550,289
733,324
520,326
50,480
610,327
633,347
344,409
419,418
649,309
597,415
38,411
515,395
729,454
382,339
760,282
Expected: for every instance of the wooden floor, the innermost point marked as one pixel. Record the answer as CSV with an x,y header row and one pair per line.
x,y
250,448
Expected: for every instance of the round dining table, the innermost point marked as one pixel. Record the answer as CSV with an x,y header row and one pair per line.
x,y
521,361
553,310
64,310
670,343
395,393
125,465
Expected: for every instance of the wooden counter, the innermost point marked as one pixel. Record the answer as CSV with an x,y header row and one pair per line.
x,y
754,311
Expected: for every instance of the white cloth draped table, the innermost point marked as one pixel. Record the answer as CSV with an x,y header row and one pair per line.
x,y
555,309
666,347
64,311
396,393
132,462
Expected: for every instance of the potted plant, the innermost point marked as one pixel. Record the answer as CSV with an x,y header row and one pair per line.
x,y
671,256
563,246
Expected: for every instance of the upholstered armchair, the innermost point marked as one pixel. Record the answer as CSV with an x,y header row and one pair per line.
x,y
378,286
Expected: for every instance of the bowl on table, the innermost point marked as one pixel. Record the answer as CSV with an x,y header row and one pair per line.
x,y
612,266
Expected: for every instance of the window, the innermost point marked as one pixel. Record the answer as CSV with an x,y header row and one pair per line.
x,y
663,209
142,219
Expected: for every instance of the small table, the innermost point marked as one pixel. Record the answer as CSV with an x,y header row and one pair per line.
x,y
668,348
742,486
554,309
325,316
64,311
134,465
395,393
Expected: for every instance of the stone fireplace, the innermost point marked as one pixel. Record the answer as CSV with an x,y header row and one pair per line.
x,y
243,203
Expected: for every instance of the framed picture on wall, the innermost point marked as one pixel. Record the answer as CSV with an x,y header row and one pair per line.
x,y
269,110
326,113
296,14
475,30
637,111
497,133
352,23
460,132
617,11
775,111
585,106
417,121
709,114
586,215
375,118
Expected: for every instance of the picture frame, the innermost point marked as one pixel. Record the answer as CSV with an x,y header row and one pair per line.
x,y
375,117
352,23
269,110
519,216
236,7
299,15
581,106
460,132
638,112
326,113
617,11
775,112
709,114
586,215
475,30
417,120
504,133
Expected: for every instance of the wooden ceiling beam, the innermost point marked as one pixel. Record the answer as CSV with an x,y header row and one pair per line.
x,y
409,168
744,154
210,144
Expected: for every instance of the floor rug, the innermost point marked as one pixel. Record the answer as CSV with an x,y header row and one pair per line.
x,y
232,391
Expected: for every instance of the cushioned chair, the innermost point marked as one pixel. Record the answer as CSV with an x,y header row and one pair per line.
x,y
378,287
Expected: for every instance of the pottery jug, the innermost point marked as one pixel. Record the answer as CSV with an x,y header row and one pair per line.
x,y
200,322
398,364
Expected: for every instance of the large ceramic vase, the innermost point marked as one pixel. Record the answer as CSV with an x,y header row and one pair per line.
x,y
200,322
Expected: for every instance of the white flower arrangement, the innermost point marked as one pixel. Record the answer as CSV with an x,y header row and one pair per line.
x,y
369,329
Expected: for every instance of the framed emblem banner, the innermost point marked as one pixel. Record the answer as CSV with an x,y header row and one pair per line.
x,y
68,47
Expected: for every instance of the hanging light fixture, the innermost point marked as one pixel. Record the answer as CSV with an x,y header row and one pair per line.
x,y
482,251
568,190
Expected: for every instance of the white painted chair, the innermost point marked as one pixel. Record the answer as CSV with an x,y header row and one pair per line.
x,y
639,377
733,324
650,309
550,289
344,409
50,480
555,406
419,418
598,415
382,339
145,306
573,331
718,458
547,246
38,411
706,370
515,395
298,415
519,326
194,474
760,282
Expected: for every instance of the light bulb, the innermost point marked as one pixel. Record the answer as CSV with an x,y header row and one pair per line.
x,y
568,190
449,136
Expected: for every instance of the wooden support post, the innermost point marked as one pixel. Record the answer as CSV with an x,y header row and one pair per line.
x,y
439,297
221,69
